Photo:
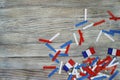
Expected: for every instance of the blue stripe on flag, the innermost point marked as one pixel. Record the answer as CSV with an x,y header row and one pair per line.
x,y
85,55
110,51
65,68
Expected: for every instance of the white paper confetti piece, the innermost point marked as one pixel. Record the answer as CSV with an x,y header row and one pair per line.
x,y
56,35
109,37
60,68
85,14
90,25
76,41
99,36
60,49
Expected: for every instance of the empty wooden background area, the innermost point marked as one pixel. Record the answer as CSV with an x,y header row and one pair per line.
x,y
23,22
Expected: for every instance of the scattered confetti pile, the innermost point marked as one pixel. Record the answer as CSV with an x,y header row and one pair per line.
x,y
91,68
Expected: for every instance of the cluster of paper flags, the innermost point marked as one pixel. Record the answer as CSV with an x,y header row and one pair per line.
x,y
91,68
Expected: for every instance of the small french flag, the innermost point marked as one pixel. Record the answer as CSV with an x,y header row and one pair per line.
x,y
88,52
113,51
69,65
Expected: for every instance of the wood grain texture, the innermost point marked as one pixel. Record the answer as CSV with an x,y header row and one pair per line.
x,y
23,22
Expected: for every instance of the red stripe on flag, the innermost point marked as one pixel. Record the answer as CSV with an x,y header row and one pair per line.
x,y
118,53
92,50
71,62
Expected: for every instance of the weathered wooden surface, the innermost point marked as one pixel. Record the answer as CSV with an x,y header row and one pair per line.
x,y
23,22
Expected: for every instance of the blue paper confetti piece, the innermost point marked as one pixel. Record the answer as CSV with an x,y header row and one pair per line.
x,y
50,47
115,31
63,55
53,72
56,60
81,23
69,77
66,44
113,75
100,78
94,61
108,32
83,77
81,65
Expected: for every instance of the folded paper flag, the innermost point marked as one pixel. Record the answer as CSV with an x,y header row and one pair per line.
x,y
88,52
81,23
113,51
68,65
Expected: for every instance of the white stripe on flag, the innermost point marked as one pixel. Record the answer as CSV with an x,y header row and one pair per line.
x,y
68,65
114,51
88,52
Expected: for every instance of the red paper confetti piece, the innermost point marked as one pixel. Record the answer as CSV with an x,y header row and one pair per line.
x,y
81,37
88,70
82,74
111,14
88,60
98,23
113,70
49,67
45,41
67,49
56,55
